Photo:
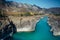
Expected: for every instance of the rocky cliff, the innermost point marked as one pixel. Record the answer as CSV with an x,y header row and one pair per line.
x,y
25,23
54,22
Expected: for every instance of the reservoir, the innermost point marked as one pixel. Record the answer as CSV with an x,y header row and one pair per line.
x,y
42,32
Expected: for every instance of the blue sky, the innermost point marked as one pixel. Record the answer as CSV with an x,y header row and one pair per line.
x,y
41,3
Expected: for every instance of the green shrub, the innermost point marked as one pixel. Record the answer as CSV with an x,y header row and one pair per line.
x,y
27,14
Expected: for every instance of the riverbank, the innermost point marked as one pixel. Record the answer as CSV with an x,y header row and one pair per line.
x,y
54,22
25,23
42,32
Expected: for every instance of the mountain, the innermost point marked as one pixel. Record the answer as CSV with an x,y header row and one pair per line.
x,y
55,10
21,8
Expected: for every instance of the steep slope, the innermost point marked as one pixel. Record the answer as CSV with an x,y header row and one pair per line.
x,y
14,8
55,10
21,8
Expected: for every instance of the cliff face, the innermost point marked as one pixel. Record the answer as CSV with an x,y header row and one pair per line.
x,y
13,8
54,22
55,10
25,23
17,10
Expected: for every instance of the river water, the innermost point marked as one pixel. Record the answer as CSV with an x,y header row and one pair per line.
x,y
42,32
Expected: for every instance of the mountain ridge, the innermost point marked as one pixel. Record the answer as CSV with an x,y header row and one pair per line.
x,y
23,7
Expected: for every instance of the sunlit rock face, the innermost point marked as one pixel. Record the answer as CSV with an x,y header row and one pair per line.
x,y
13,10
25,23
54,22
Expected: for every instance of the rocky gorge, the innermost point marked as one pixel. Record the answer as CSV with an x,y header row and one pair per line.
x,y
25,23
54,22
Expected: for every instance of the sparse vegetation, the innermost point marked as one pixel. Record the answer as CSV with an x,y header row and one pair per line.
x,y
27,14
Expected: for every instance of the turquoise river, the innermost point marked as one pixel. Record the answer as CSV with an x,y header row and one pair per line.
x,y
42,32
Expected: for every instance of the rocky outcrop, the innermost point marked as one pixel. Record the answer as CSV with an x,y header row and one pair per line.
x,y
55,10
25,23
54,22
